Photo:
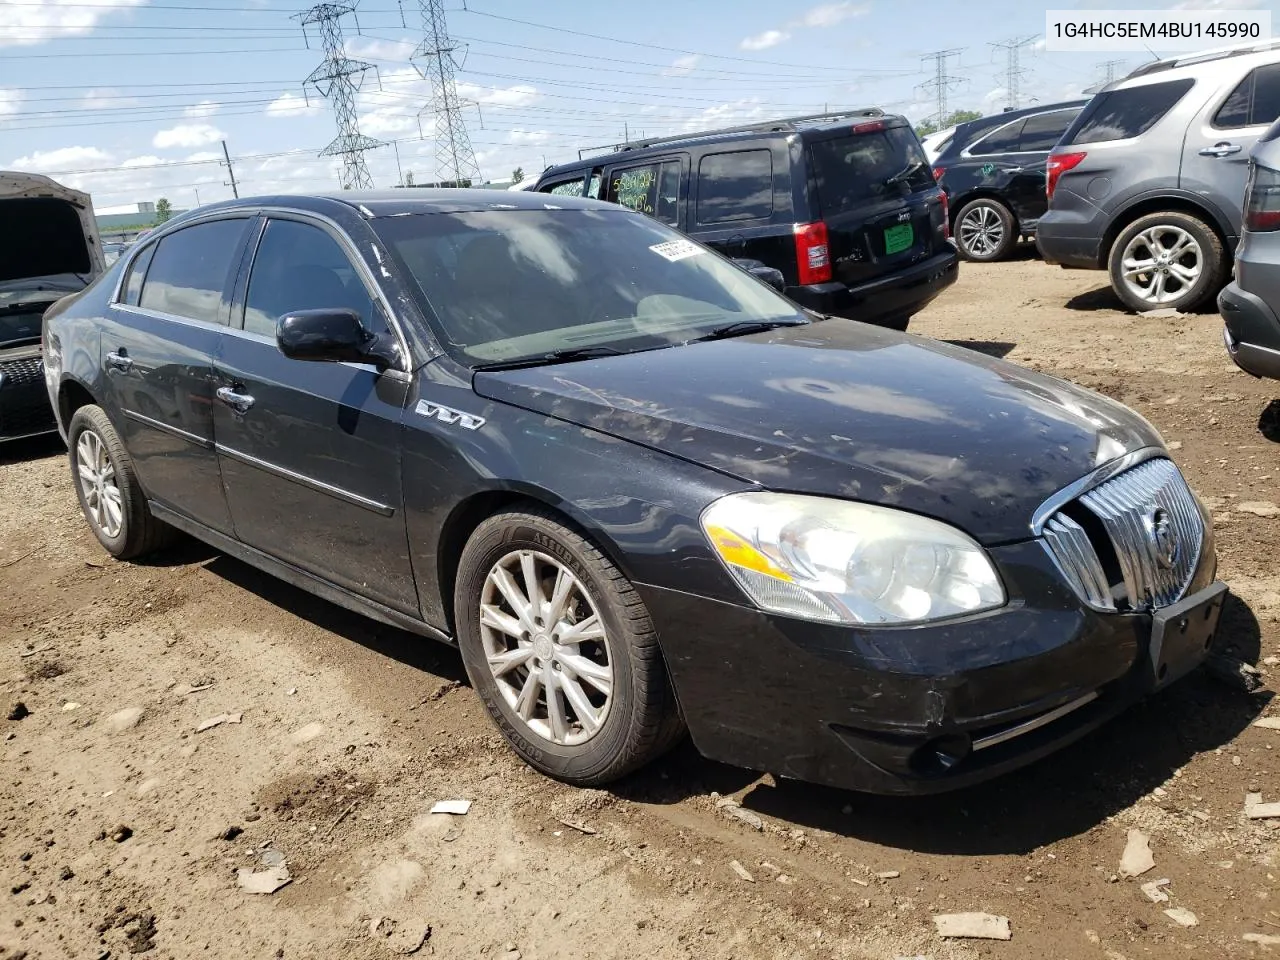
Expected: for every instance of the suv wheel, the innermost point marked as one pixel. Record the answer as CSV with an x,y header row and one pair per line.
x,y
985,230
560,648
108,488
1166,260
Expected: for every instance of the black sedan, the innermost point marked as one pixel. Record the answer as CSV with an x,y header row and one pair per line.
x,y
638,488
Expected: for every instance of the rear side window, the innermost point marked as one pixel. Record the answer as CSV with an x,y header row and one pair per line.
x,y
1004,140
189,271
735,186
1121,114
1255,101
1043,131
852,170
564,188
137,270
653,188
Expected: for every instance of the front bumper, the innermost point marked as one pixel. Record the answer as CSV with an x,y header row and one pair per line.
x,y
25,410
906,710
892,297
1251,332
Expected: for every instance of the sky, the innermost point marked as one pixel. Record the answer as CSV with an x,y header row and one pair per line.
x,y
131,99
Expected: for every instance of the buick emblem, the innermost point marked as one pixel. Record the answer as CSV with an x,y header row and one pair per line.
x,y
1163,537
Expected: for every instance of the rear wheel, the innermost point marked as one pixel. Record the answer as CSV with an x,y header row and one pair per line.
x,y
1166,260
985,230
108,488
560,648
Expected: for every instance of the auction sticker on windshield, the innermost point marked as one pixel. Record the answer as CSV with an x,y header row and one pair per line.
x,y
674,250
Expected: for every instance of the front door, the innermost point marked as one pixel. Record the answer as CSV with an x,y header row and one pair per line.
x,y
309,451
1215,156
157,354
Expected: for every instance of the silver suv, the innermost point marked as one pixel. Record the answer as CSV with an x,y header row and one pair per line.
x,y
1148,182
1248,305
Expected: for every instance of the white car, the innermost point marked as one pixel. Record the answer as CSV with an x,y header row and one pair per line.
x,y
935,143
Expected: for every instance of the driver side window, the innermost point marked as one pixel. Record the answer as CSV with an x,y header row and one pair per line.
x,y
298,266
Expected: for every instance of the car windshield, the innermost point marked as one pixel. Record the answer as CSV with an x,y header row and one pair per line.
x,y
514,284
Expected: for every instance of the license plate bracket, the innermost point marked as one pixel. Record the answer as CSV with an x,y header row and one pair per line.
x,y
1182,634
899,237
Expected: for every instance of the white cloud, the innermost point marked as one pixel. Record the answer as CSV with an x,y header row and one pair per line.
x,y
763,41
518,96
829,14
529,136
205,108
43,161
31,23
203,156
1218,4
682,66
724,114
149,160
187,135
9,101
368,48
106,98
292,105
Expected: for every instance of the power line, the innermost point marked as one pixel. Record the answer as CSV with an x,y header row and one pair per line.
x,y
1013,73
333,80
941,83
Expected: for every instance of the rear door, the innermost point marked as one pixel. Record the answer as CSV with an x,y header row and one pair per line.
x,y
738,196
157,354
1022,171
872,186
309,451
653,187
1215,156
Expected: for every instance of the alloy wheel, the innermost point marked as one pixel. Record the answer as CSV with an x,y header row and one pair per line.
x,y
981,231
97,476
546,647
1161,264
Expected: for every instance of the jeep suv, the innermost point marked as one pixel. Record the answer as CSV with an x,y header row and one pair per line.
x,y
844,205
1148,182
48,249
993,172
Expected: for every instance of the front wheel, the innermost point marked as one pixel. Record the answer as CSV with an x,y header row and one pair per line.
x,y
985,231
1166,260
560,648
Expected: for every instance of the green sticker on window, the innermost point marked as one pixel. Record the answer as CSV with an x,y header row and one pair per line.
x,y
899,238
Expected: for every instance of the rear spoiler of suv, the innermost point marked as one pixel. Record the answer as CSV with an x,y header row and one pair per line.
x,y
1203,56
760,126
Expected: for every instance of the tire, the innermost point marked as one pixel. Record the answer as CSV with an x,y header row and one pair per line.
x,y
94,444
1189,278
985,231
638,720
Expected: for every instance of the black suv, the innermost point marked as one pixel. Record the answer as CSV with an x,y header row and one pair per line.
x,y
993,172
844,205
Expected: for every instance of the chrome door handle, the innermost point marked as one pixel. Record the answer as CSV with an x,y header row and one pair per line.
x,y
239,402
120,361
1222,149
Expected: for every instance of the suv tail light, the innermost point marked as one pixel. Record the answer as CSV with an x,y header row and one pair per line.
x,y
939,173
946,215
1262,200
812,253
1057,165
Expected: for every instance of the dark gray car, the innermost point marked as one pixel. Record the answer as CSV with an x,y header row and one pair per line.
x,y
1147,183
1248,305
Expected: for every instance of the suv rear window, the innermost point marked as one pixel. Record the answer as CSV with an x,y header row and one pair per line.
x,y
851,170
1125,113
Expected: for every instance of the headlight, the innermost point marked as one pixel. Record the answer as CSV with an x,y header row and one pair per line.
x,y
846,562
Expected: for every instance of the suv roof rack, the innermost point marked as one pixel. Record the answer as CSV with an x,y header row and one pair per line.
x,y
760,126
1204,56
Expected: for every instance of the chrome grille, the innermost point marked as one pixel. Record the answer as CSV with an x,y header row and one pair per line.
x,y
15,372
1154,531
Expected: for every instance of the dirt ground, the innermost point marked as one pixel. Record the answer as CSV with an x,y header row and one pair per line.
x,y
349,731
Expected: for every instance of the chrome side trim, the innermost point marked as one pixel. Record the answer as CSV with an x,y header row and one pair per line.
x,y
204,442
1088,482
313,484
1035,723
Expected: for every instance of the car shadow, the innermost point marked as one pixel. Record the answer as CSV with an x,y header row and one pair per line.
x,y
1063,795
992,348
1101,298
1269,421
31,448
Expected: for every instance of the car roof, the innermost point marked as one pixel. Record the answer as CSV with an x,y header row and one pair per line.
x,y
970,130
1200,63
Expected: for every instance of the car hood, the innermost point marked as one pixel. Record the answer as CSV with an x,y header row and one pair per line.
x,y
842,409
49,229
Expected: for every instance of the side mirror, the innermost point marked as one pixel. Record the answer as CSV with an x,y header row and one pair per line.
x,y
769,275
335,336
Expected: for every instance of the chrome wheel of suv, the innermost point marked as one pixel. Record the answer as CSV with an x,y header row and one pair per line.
x,y
547,647
1161,264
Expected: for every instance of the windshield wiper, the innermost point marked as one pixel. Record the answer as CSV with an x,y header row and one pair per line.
x,y
567,355
904,174
742,327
